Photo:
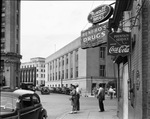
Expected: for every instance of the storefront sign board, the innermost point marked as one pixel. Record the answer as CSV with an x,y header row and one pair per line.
x,y
94,36
100,14
119,43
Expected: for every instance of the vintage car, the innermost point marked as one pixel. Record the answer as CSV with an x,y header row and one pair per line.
x,y
45,90
21,104
27,86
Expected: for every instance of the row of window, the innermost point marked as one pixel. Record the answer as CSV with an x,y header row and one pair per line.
x,y
42,75
34,65
42,70
59,85
61,61
3,30
60,75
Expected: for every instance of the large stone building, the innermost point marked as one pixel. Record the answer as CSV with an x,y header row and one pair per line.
x,y
73,65
134,69
33,71
10,43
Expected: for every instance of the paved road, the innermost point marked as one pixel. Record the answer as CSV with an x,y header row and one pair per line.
x,y
55,104
58,105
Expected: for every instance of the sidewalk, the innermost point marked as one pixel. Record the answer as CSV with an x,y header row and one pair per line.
x,y
93,113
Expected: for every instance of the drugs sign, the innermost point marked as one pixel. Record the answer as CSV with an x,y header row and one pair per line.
x,y
94,36
119,43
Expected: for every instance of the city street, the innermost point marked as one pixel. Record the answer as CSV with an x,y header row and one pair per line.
x,y
58,106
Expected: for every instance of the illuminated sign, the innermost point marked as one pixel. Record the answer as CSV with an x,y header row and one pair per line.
x,y
119,43
100,14
94,36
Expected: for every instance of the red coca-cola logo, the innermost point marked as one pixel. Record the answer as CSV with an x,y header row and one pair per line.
x,y
121,49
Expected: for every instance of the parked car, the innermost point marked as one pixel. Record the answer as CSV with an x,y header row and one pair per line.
x,y
52,89
45,90
58,90
66,90
21,104
39,87
28,86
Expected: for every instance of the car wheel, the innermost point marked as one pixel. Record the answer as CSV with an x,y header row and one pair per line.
x,y
43,117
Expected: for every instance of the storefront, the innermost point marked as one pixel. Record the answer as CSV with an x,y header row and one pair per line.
x,y
132,16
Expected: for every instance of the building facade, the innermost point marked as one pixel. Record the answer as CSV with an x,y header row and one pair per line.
x,y
134,69
29,74
73,65
10,43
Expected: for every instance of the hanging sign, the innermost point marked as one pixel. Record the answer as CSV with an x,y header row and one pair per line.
x,y
100,14
94,36
119,43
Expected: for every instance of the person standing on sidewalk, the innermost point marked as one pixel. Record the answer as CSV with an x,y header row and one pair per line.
x,y
73,99
111,92
101,98
78,97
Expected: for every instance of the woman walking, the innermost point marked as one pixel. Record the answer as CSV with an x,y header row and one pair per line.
x,y
73,100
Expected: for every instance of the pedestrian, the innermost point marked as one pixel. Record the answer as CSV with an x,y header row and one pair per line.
x,y
101,98
73,99
111,92
78,91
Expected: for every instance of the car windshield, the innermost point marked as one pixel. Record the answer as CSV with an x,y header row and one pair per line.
x,y
8,104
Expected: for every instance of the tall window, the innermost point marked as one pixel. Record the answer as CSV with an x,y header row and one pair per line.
x,y
76,56
71,73
66,59
62,74
2,65
2,46
62,61
102,70
66,73
56,76
50,65
76,71
102,52
3,33
56,63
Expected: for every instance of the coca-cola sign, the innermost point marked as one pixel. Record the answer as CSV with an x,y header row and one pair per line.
x,y
119,43
94,36
100,14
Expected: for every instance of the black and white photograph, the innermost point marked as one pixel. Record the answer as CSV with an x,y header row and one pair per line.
x,y
75,59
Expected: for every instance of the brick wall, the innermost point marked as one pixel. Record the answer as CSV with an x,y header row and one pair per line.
x,y
146,59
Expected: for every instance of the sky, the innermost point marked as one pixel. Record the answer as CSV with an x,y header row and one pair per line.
x,y
47,26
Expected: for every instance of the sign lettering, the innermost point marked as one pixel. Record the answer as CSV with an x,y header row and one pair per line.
x,y
100,14
119,43
94,36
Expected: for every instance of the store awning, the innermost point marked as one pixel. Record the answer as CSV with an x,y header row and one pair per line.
x,y
120,7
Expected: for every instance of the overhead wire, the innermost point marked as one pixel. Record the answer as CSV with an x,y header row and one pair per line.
x,y
90,10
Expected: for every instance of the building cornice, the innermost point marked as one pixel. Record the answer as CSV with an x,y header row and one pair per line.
x,y
11,54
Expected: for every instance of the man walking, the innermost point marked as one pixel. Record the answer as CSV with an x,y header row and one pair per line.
x,y
101,97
